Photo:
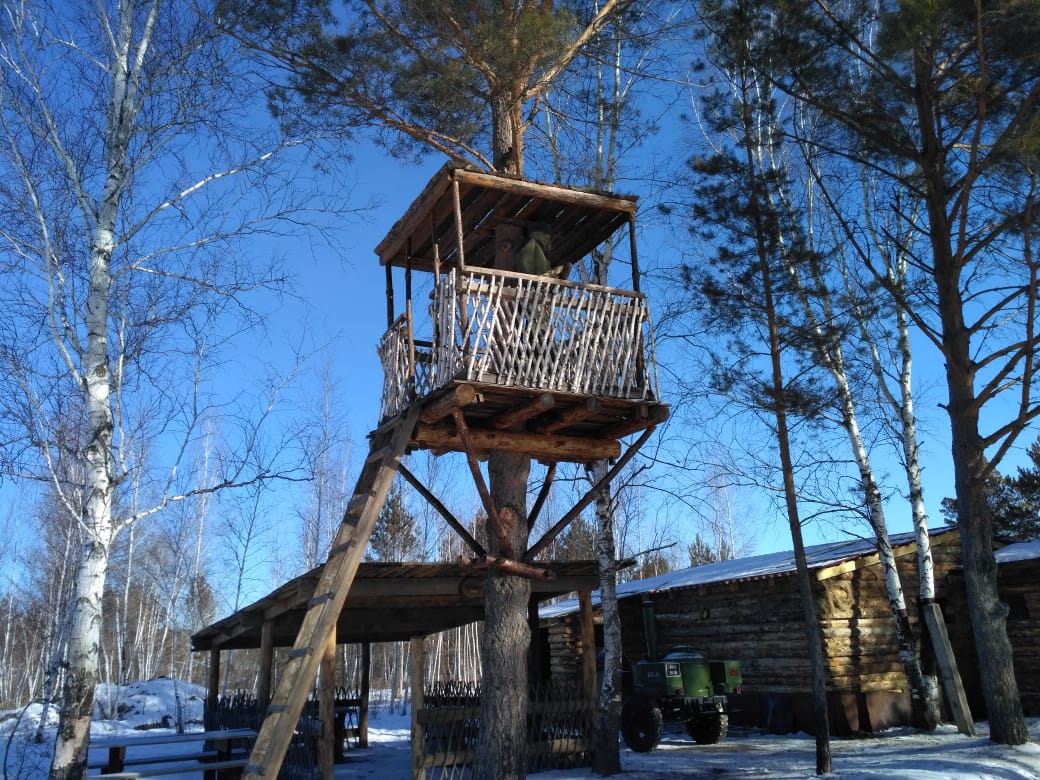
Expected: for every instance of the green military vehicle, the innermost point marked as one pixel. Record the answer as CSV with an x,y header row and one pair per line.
x,y
681,686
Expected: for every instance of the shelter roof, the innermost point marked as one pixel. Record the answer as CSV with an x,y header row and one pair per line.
x,y
387,602
579,220
821,558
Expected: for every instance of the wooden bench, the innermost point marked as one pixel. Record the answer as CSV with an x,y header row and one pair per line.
x,y
223,751
207,768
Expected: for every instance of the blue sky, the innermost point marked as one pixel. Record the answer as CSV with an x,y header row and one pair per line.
x,y
346,295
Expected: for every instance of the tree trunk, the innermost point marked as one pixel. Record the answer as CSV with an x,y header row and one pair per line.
x,y
776,389
988,614
923,716
606,759
502,745
831,355
925,568
70,752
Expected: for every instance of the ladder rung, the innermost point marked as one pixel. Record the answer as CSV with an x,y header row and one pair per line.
x,y
339,549
320,599
357,502
299,652
378,454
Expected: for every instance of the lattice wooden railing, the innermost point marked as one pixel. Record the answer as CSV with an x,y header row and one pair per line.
x,y
523,331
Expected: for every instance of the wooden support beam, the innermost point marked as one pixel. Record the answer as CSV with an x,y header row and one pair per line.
x,y
496,520
585,500
508,566
462,395
442,510
533,408
213,680
543,494
951,677
327,707
645,416
548,448
263,683
418,684
588,647
366,692
571,416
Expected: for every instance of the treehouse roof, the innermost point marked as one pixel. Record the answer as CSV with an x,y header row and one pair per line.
x,y
580,220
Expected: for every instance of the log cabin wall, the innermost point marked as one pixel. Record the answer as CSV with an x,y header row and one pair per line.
x,y
759,622
1019,586
1018,583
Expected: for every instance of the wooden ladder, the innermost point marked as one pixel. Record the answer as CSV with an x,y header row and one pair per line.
x,y
386,449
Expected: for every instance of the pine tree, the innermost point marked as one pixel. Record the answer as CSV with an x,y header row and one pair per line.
x,y
454,76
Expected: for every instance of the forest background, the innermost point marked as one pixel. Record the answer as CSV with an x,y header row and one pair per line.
x,y
300,357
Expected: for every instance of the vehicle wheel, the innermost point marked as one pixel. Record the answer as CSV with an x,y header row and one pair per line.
x,y
641,724
708,729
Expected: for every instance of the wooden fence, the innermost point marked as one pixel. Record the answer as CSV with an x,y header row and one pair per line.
x,y
560,723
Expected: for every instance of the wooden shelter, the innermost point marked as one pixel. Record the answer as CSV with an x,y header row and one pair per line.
x,y
534,363
388,602
750,610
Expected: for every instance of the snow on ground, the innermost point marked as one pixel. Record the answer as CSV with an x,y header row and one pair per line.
x,y
898,754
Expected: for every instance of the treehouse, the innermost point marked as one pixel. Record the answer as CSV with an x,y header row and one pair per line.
x,y
497,349
539,363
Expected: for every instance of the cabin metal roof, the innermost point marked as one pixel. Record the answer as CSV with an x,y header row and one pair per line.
x,y
580,220
387,602
820,558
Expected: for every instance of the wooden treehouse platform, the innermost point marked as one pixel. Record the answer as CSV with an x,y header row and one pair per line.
x,y
539,364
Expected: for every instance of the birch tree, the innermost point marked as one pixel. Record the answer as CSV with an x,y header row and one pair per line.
x,y
590,120
745,290
325,449
134,171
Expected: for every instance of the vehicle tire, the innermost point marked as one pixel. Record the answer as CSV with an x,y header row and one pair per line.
x,y
708,729
641,724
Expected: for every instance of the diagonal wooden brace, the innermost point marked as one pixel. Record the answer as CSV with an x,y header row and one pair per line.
x,y
495,520
458,527
585,500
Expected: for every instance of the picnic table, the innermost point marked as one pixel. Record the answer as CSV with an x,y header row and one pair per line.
x,y
224,751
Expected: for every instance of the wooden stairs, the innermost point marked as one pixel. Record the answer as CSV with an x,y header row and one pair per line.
x,y
387,447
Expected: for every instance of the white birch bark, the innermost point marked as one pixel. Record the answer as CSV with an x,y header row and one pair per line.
x,y
811,292
903,409
94,189
830,351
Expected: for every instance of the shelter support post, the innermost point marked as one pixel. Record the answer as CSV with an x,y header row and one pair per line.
x,y
263,682
418,687
213,680
327,707
535,655
366,690
588,648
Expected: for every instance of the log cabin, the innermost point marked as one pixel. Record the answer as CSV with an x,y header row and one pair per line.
x,y
749,610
